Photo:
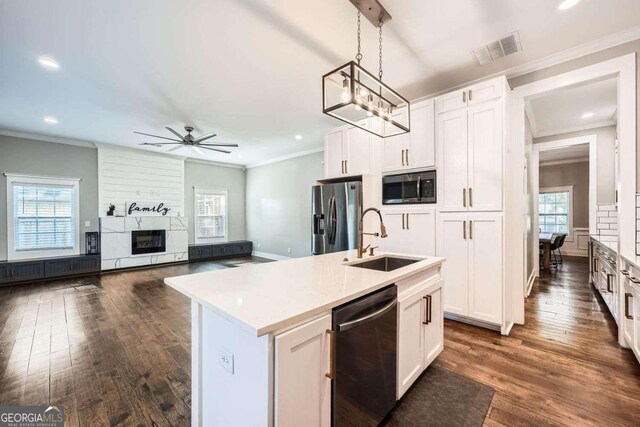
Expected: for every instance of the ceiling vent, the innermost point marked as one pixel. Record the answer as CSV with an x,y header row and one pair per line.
x,y
506,46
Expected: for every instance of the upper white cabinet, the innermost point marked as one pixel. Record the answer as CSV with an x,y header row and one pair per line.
x,y
470,145
471,95
347,152
302,389
472,244
420,332
410,231
415,149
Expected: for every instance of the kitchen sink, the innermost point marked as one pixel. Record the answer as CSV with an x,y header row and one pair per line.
x,y
385,263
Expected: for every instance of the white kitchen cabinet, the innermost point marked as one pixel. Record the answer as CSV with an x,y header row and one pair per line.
x,y
472,245
472,95
410,231
347,152
470,143
302,390
415,149
635,311
629,313
452,174
485,267
420,332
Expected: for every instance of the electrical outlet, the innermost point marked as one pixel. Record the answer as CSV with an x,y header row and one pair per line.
x,y
257,245
226,359
87,224
288,250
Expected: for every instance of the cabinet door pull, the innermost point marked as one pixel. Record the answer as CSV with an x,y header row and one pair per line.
x,y
464,197
406,155
624,272
332,355
626,305
407,221
470,197
346,166
470,94
464,96
464,230
609,276
403,221
470,230
402,156
427,308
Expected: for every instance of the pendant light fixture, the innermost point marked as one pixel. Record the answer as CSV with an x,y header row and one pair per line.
x,y
355,96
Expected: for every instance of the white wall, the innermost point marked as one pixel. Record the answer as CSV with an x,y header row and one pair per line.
x,y
531,252
279,205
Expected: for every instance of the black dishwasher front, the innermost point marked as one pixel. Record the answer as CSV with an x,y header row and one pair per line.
x,y
364,386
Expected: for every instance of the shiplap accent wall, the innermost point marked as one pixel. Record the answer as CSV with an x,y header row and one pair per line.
x,y
126,175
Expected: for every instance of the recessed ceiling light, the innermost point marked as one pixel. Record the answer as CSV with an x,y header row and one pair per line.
x,y
586,115
48,63
568,4
298,137
50,120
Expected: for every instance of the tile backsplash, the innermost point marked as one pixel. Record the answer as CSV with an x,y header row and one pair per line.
x,y
607,223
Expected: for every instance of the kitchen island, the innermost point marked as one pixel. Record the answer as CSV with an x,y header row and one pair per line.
x,y
261,334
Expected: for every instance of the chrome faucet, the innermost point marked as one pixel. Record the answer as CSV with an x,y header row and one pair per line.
x,y
361,233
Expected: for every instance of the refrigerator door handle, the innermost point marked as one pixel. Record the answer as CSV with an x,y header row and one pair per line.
x,y
332,220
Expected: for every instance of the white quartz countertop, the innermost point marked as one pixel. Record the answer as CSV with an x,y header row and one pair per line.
x,y
611,245
263,298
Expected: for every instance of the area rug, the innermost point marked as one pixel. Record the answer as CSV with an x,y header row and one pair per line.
x,y
442,398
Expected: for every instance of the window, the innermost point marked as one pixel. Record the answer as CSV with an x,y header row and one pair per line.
x,y
42,216
555,209
210,215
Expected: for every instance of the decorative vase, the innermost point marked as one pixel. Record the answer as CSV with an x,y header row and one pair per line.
x,y
109,213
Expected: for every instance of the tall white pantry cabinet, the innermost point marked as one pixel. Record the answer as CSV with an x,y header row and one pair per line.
x,y
471,132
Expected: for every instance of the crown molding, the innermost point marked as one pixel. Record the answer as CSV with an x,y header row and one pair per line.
x,y
597,125
213,163
287,157
564,162
46,138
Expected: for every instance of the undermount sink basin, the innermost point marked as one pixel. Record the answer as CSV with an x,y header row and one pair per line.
x,y
385,263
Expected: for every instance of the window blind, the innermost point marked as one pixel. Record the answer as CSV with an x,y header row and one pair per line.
x,y
211,215
43,217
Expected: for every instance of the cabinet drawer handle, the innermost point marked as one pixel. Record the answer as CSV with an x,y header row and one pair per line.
x,y
332,355
470,197
634,280
427,308
464,197
609,276
626,305
624,272
464,96
464,230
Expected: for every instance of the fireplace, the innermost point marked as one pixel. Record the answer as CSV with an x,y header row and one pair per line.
x,y
148,242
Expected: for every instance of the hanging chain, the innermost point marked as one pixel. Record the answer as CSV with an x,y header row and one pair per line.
x,y
380,44
359,55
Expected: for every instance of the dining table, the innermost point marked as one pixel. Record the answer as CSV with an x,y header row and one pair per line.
x,y
546,239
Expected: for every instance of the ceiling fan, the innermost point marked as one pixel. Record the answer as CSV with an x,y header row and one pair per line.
x,y
187,140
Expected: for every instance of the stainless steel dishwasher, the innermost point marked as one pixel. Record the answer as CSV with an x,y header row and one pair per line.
x,y
364,386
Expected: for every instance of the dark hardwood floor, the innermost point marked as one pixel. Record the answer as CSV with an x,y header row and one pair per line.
x,y
563,367
115,350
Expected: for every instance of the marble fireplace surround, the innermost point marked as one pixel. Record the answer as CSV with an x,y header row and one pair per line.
x,y
115,235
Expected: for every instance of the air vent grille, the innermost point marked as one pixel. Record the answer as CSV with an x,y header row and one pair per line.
x,y
507,45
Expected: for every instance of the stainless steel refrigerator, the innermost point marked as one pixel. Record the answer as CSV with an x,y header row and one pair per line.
x,y
335,209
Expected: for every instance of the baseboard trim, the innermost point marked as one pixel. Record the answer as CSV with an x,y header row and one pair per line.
x,y
268,255
473,322
577,252
507,329
532,278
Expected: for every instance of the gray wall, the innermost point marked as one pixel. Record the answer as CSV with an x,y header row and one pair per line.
x,y
614,52
605,159
18,155
279,205
210,176
576,174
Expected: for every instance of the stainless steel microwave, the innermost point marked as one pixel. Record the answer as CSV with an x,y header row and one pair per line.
x,y
409,188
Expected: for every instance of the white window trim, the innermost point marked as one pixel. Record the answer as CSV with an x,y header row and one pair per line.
x,y
217,191
562,189
12,254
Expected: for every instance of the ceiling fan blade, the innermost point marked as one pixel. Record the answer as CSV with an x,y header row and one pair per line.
x,y
158,136
160,143
174,132
197,150
203,137
152,144
218,145
175,148
215,149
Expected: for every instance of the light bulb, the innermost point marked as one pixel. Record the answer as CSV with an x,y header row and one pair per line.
x,y
370,105
346,96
